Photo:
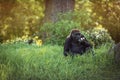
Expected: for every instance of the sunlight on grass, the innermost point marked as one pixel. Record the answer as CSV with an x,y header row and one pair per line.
x,y
29,62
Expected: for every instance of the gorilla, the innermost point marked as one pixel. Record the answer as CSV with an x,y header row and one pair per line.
x,y
76,43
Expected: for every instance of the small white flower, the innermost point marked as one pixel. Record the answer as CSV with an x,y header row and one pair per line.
x,y
97,36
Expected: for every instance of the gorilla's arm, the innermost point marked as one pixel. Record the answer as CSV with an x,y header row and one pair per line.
x,y
67,46
89,46
86,43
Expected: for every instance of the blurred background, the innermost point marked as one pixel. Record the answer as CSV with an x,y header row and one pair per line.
x,y
52,20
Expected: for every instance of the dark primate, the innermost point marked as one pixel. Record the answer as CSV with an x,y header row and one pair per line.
x,y
117,53
76,43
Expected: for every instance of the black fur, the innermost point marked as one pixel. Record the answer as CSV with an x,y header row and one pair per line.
x,y
76,43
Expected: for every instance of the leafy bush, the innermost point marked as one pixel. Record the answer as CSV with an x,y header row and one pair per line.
x,y
25,39
98,36
80,18
19,18
111,20
55,33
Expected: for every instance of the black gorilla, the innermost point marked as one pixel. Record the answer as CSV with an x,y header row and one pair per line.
x,y
76,43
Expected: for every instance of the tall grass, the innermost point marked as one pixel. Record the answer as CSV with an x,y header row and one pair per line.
x,y
29,62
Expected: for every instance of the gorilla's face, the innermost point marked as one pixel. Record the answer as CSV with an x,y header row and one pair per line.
x,y
76,36
82,39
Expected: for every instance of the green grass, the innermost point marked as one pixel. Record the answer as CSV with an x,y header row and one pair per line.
x,y
28,62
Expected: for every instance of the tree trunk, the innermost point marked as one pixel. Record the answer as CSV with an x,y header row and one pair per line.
x,y
54,7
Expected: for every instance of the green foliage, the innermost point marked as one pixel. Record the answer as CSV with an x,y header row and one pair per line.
x,y
29,62
106,12
20,18
98,36
56,33
34,40
83,12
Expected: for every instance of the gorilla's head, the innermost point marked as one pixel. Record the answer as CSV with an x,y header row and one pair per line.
x,y
76,36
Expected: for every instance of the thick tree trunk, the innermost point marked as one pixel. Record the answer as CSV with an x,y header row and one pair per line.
x,y
54,7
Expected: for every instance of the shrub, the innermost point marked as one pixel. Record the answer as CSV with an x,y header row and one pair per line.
x,y
55,33
21,19
25,39
98,36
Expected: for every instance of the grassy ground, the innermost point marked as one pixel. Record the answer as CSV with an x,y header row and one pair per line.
x,y
28,62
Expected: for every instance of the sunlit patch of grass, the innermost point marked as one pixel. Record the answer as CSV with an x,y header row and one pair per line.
x,y
21,61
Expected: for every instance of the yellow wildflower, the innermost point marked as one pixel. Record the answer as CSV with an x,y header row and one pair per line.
x,y
39,42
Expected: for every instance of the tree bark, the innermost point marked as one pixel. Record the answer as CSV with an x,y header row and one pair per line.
x,y
54,7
